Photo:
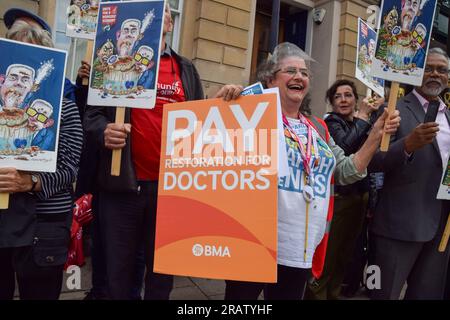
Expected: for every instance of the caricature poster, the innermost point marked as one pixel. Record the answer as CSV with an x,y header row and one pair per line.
x,y
31,91
403,38
444,187
367,39
82,19
126,51
445,95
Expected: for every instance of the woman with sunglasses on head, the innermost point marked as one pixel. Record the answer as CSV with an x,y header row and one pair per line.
x,y
305,209
35,229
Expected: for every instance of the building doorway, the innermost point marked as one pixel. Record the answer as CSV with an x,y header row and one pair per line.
x,y
292,28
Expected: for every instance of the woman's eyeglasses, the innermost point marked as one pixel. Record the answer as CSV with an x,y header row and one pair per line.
x,y
292,71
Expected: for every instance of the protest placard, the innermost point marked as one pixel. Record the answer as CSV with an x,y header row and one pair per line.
x,y
404,35
367,38
217,197
82,19
125,63
31,92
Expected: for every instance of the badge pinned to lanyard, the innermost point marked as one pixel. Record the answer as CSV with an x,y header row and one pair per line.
x,y
305,153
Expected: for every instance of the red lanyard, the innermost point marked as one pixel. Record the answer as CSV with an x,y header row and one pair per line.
x,y
305,154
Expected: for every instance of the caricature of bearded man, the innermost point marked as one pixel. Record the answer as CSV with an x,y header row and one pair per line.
x,y
127,37
18,83
410,9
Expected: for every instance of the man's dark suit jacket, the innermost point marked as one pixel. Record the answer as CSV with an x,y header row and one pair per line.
x,y
407,208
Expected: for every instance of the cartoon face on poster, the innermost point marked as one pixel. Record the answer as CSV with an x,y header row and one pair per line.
x,y
31,91
403,38
82,19
366,51
126,51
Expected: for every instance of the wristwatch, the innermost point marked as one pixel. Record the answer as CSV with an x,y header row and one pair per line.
x,y
34,181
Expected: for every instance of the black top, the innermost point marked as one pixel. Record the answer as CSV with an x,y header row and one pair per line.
x,y
350,136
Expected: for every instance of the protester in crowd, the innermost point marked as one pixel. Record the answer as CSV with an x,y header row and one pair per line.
x,y
349,128
127,204
35,229
303,210
354,278
408,222
86,185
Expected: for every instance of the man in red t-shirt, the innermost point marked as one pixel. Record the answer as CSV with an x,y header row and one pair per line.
x,y
127,204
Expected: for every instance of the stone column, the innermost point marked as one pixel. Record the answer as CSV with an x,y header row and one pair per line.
x,y
351,11
325,51
47,10
220,43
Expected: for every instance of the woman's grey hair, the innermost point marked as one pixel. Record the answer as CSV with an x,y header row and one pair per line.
x,y
267,70
22,31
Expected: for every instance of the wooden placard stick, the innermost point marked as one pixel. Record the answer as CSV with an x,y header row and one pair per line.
x,y
391,108
88,58
117,154
4,200
445,236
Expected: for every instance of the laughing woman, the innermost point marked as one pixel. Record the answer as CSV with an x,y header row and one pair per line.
x,y
303,212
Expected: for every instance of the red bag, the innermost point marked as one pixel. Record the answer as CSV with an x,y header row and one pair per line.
x,y
82,212
82,215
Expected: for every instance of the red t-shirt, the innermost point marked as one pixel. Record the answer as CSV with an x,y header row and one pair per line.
x,y
146,124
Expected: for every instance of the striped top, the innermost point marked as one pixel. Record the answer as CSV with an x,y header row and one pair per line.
x,y
56,194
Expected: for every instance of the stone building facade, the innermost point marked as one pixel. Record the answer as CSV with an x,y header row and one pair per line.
x,y
227,38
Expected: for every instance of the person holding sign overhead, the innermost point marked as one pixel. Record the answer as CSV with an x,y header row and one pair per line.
x,y
349,129
127,204
409,221
305,202
35,229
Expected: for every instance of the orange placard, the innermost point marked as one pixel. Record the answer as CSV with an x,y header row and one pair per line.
x,y
217,201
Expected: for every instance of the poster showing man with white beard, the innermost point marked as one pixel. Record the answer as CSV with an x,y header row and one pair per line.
x,y
404,35
31,89
127,76
17,83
